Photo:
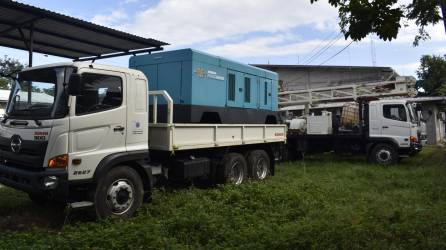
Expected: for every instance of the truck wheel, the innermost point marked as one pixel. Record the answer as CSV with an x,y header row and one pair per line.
x,y
119,193
384,154
258,165
233,169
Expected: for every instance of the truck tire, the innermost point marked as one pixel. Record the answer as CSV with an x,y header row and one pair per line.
x,y
119,193
258,165
384,154
232,169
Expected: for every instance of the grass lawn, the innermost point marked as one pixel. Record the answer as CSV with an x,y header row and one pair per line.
x,y
325,202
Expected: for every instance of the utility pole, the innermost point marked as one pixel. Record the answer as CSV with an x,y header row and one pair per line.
x,y
443,11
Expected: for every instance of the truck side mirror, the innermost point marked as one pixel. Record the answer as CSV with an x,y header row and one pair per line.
x,y
75,85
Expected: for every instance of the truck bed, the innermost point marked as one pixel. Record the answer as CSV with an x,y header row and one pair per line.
x,y
184,136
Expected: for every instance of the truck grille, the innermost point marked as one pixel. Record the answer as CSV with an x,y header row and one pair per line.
x,y
31,155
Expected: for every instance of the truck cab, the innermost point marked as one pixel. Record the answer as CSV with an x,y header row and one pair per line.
x,y
51,135
395,121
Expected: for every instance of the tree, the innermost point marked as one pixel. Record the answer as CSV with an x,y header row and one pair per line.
x,y
8,66
432,74
358,18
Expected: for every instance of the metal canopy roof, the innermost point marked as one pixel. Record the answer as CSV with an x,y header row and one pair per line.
x,y
34,29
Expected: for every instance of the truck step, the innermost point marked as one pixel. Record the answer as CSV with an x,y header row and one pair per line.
x,y
80,204
157,170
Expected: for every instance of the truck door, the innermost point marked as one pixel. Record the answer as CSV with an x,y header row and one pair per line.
x,y
395,123
97,122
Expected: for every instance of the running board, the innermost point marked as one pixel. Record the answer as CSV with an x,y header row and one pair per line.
x,y
80,204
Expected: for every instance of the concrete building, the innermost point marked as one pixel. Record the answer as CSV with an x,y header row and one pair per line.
x,y
434,114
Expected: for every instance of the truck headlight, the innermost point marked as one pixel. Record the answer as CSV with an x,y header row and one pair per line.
x,y
60,161
50,182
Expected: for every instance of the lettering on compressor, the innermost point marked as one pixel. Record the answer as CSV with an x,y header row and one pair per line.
x,y
201,72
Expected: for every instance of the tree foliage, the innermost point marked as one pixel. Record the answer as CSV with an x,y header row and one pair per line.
x,y
432,74
8,66
358,18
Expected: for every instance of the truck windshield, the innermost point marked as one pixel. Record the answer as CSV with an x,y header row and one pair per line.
x,y
39,94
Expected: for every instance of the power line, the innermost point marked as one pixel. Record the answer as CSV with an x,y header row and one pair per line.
x,y
327,46
339,52
324,49
319,49
330,36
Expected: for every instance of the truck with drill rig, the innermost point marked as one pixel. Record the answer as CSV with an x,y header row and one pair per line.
x,y
353,120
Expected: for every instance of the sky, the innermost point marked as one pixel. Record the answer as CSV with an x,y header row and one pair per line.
x,y
249,31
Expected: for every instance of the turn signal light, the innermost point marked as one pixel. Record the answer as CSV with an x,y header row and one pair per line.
x,y
413,139
60,161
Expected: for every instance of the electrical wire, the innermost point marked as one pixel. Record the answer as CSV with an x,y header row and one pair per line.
x,y
339,52
330,36
324,49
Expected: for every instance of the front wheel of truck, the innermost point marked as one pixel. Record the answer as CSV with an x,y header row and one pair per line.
x,y
384,154
119,193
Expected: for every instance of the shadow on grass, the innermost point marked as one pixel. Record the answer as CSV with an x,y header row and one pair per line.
x,y
19,213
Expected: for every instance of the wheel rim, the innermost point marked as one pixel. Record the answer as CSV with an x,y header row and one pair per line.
x,y
261,169
384,155
236,175
120,196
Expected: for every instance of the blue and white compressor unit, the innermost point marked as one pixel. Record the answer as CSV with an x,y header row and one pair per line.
x,y
210,89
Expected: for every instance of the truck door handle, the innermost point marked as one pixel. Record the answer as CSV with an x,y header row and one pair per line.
x,y
118,129
385,127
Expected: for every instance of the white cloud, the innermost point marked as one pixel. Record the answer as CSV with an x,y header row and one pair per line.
x,y
128,1
269,46
112,19
407,34
441,50
187,22
407,68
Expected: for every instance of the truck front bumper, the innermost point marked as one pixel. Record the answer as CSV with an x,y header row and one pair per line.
x,y
415,148
52,183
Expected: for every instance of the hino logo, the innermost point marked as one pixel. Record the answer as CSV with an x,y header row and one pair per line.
x,y
16,143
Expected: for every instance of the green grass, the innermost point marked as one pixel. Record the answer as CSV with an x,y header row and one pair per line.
x,y
325,202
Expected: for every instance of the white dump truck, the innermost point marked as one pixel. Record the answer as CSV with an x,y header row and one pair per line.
x,y
80,133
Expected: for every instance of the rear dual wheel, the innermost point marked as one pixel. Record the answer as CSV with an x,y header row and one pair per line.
x,y
258,165
235,169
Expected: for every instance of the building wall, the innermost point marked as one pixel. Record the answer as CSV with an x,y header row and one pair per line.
x,y
435,125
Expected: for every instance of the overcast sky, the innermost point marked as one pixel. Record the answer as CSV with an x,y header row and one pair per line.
x,y
251,31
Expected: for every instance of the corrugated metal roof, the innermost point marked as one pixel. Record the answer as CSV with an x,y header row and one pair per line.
x,y
61,35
